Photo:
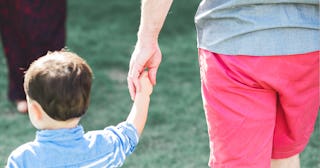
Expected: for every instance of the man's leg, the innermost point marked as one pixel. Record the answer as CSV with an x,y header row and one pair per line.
x,y
240,112
297,106
292,162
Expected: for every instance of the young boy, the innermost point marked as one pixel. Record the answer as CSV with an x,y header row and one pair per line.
x,y
58,86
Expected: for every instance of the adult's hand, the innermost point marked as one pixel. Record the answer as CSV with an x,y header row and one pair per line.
x,y
146,55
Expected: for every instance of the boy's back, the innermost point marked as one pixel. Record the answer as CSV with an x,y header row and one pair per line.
x,y
73,148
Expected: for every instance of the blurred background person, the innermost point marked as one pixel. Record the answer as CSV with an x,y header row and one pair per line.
x,y
29,28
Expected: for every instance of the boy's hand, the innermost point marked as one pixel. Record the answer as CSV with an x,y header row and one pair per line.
x,y
146,86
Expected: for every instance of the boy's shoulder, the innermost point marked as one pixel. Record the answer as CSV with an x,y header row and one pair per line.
x,y
111,134
121,128
27,149
24,152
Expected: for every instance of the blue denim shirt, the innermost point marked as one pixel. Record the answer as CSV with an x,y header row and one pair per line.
x,y
73,148
258,27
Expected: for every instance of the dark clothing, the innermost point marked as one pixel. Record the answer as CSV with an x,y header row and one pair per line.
x,y
29,28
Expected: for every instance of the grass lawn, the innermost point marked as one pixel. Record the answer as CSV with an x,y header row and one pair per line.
x,y
104,33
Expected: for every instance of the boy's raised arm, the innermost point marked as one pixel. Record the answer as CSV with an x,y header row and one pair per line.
x,y
139,111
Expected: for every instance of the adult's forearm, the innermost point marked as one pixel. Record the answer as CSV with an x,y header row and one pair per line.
x,y
153,15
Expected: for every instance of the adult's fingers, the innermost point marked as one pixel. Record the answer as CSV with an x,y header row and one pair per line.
x,y
133,85
133,82
153,66
131,88
152,73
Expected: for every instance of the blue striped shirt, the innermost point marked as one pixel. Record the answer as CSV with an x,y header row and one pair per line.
x,y
74,148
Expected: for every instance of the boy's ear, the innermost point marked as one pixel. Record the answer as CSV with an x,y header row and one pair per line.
x,y
36,109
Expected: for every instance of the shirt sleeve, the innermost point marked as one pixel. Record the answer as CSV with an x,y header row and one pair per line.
x,y
11,163
127,135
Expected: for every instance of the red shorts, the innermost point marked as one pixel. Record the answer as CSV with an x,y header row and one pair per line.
x,y
258,108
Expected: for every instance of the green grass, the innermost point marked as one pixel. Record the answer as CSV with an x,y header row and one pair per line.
x,y
104,33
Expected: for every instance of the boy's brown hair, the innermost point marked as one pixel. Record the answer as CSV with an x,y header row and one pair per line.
x,y
60,82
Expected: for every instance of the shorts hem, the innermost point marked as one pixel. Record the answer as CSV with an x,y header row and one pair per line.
x,y
286,154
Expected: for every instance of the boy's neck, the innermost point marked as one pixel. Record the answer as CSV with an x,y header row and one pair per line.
x,y
54,124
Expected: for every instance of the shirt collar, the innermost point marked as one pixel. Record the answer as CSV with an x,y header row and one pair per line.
x,y
65,134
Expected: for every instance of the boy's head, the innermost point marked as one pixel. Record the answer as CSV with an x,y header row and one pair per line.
x,y
60,82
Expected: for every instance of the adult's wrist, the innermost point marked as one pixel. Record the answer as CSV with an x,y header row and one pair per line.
x,y
148,34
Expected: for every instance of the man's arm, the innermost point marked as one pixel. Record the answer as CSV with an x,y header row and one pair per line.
x,y
153,15
147,53
139,111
